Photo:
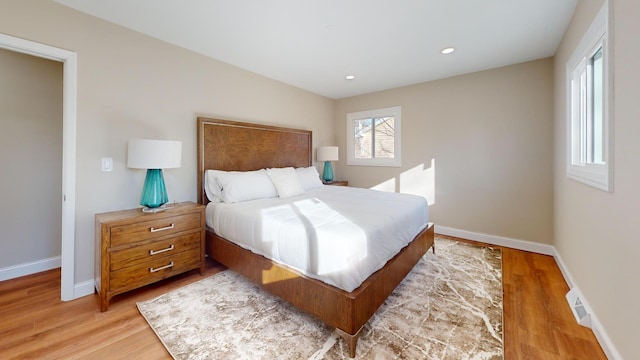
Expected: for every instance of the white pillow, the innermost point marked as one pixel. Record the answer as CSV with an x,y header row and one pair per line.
x,y
286,182
309,177
211,187
238,186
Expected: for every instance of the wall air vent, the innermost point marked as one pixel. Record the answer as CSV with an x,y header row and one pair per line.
x,y
578,307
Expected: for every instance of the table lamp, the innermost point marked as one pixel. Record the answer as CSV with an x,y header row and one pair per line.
x,y
327,154
154,155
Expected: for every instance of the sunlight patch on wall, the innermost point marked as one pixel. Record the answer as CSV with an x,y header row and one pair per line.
x,y
388,186
417,181
420,181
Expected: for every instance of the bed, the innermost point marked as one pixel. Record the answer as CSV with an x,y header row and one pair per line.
x,y
236,146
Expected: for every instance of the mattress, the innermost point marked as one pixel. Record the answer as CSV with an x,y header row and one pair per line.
x,y
339,235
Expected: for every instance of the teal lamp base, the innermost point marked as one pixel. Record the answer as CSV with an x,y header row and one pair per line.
x,y
327,174
154,193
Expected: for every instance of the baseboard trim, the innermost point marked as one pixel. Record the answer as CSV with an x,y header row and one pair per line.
x,y
603,339
83,289
607,346
12,272
29,268
498,240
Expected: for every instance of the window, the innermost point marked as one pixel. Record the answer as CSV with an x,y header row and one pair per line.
x,y
373,137
589,141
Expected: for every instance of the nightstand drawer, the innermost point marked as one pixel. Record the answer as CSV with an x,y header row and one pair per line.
x,y
154,249
134,249
145,273
127,234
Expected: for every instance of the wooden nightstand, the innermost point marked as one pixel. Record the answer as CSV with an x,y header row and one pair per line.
x,y
134,249
338,183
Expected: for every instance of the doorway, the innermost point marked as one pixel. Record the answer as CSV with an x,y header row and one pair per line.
x,y
69,99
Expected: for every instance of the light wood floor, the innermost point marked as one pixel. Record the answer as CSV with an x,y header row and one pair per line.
x,y
35,324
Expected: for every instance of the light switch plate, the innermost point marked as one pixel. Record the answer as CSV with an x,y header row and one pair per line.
x,y
107,164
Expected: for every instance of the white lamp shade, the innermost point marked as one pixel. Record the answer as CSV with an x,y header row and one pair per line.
x,y
154,154
327,153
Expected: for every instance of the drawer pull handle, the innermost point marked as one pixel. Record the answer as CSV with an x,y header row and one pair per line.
x,y
153,252
161,268
163,228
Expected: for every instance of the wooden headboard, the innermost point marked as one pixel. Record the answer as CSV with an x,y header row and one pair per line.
x,y
237,146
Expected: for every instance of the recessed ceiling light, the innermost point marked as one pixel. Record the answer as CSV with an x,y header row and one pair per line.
x,y
448,50
350,77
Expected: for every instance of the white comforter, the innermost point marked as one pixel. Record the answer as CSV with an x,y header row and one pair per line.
x,y
339,235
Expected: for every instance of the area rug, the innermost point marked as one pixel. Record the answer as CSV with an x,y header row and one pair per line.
x,y
448,307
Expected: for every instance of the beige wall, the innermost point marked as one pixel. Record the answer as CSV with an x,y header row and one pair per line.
x,y
31,158
490,135
129,86
596,231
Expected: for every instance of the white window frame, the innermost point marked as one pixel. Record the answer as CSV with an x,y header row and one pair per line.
x,y
579,166
394,111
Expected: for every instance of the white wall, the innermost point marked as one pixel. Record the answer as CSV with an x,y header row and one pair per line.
x,y
129,86
596,231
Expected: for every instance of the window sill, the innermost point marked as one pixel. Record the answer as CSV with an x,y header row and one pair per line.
x,y
596,176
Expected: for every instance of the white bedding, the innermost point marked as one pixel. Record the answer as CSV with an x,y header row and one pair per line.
x,y
339,235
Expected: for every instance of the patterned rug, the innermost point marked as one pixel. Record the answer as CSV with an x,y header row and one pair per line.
x,y
448,307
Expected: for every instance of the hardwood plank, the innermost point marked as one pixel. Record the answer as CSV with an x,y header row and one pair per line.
x,y
34,323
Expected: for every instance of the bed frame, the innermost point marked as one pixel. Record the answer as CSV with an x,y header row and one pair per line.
x,y
230,145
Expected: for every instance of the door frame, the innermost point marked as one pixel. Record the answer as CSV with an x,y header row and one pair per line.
x,y
69,102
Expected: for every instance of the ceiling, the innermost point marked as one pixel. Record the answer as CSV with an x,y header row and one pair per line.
x,y
314,44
